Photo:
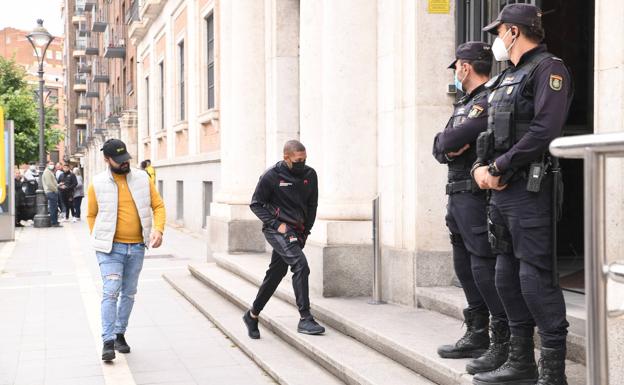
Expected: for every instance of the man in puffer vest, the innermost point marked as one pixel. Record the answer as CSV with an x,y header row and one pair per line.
x,y
121,204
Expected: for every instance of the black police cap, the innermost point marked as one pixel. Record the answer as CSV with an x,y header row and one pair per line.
x,y
472,50
523,14
116,150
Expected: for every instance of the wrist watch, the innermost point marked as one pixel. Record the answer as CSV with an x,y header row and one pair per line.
x,y
493,170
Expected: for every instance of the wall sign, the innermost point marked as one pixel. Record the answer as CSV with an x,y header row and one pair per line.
x,y
440,6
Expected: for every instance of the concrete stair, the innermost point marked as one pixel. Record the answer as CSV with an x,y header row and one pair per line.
x,y
347,359
389,338
280,360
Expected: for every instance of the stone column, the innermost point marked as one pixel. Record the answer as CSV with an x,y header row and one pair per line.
x,y
233,227
310,77
609,117
340,252
282,74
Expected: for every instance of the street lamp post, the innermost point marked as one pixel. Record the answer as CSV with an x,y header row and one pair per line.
x,y
40,39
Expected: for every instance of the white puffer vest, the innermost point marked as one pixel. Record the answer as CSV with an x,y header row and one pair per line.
x,y
107,199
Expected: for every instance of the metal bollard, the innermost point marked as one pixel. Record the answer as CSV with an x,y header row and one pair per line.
x,y
376,300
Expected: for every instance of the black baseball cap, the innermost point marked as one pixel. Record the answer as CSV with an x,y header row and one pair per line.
x,y
523,14
472,50
116,150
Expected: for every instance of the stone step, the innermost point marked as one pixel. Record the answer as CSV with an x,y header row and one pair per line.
x,y
285,364
450,300
348,359
407,335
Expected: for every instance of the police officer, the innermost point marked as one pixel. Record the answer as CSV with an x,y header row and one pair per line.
x,y
528,106
466,215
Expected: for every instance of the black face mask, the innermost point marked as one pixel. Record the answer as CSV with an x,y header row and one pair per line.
x,y
123,168
298,168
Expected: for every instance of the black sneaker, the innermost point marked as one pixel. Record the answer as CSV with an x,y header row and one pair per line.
x,y
309,326
108,351
252,325
121,345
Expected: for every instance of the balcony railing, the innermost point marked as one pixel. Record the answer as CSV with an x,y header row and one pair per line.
x,y
80,79
115,42
93,89
80,83
114,109
93,44
84,67
100,70
79,15
82,117
133,14
90,5
80,45
83,103
100,20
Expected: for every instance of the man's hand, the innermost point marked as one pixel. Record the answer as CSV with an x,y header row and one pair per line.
x,y
487,181
480,175
458,152
155,239
282,228
493,182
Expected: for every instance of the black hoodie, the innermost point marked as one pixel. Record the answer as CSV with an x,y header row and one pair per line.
x,y
282,197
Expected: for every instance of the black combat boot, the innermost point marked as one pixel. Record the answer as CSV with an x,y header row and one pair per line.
x,y
519,369
474,342
552,367
496,355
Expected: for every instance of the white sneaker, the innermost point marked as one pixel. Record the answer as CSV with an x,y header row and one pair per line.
x,y
73,220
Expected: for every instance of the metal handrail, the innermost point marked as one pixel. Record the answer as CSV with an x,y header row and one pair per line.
x,y
594,149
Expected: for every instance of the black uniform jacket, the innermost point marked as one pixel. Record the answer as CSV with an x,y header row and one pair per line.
x,y
551,105
455,137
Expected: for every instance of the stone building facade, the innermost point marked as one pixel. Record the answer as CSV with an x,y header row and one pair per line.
x,y
364,85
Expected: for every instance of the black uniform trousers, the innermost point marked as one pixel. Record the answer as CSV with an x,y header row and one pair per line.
x,y
472,258
523,272
286,252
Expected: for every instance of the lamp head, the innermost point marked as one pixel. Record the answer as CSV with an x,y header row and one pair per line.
x,y
40,37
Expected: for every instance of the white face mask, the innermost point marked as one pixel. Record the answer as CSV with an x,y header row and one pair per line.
x,y
51,167
501,53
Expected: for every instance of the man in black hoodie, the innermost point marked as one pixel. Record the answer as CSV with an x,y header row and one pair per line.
x,y
285,200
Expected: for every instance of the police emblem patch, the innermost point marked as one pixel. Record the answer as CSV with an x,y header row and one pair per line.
x,y
475,111
556,81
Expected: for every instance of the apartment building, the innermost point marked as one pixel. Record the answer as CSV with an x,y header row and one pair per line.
x,y
178,102
101,75
14,44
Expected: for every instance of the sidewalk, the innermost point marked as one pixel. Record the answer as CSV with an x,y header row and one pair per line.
x,y
50,291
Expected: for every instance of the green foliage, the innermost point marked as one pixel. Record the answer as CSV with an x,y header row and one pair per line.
x,y
21,105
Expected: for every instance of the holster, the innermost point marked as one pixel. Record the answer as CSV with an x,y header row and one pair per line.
x,y
499,237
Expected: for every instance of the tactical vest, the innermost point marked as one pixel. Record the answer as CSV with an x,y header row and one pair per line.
x,y
459,168
510,110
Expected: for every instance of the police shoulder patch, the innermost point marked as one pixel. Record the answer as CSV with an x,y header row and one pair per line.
x,y
475,111
556,82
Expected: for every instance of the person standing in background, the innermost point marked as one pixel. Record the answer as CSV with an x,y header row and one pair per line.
x,y
78,193
150,170
67,184
50,187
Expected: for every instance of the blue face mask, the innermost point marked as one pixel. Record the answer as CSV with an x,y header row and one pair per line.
x,y
458,84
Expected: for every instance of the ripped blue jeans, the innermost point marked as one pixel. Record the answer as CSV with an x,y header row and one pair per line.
x,y
120,271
